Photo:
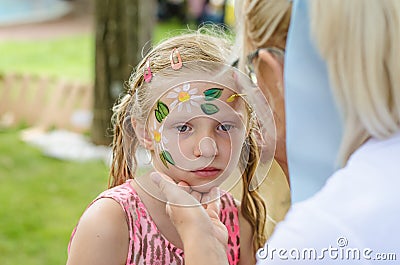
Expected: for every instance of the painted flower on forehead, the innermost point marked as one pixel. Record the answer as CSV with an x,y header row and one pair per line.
x,y
184,96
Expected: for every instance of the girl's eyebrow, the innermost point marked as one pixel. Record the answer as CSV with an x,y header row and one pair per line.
x,y
218,117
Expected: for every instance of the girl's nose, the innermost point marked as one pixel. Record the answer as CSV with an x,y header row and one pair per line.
x,y
206,147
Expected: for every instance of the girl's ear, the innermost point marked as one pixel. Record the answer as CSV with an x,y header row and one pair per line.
x,y
142,135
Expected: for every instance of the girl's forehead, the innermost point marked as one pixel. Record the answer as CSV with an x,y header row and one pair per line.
x,y
199,98
208,89
190,100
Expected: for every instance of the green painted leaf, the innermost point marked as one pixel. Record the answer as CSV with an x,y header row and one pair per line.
x,y
167,156
209,108
163,160
161,111
159,116
212,93
163,108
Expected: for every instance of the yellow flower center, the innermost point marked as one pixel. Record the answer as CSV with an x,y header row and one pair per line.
x,y
183,96
157,136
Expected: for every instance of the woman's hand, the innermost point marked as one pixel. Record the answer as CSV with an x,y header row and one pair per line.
x,y
203,235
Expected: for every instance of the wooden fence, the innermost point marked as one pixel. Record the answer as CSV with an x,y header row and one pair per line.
x,y
45,102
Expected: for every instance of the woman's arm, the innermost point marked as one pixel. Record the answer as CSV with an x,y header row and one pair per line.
x,y
203,235
101,236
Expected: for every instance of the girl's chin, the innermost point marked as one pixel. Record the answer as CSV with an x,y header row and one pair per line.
x,y
201,185
204,188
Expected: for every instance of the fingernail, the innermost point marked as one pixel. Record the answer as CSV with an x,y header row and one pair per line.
x,y
156,178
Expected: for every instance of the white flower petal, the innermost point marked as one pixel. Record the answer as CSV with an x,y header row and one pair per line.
x,y
177,89
186,87
196,97
180,106
165,140
193,91
194,103
172,95
172,106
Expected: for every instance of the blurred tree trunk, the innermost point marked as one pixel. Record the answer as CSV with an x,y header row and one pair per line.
x,y
122,29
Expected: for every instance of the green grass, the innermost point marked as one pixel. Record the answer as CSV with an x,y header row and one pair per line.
x,y
71,58
41,200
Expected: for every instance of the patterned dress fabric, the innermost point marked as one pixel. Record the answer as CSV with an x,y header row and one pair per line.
x,y
147,245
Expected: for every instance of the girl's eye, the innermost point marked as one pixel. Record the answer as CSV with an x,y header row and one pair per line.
x,y
183,128
225,127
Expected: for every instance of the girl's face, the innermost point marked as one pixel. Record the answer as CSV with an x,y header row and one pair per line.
x,y
198,130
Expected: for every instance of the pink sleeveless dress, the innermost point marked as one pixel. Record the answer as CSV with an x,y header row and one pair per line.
x,y
147,245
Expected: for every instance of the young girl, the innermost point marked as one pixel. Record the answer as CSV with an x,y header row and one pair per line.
x,y
184,109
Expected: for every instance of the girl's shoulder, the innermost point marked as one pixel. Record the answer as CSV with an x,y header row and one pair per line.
x,y
121,192
125,195
100,239
122,199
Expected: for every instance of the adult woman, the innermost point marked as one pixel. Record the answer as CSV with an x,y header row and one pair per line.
x,y
267,42
253,41
358,207
312,140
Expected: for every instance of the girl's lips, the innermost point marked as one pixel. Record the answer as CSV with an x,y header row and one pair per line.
x,y
207,172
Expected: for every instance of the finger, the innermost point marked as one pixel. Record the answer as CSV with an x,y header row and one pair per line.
x,y
186,187
214,206
157,178
200,196
197,195
174,194
168,210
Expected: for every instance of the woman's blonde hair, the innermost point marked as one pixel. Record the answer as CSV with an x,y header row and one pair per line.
x,y
360,40
262,23
211,45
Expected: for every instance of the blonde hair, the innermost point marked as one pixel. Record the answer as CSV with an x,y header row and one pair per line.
x,y
211,45
262,23
360,40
